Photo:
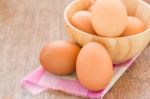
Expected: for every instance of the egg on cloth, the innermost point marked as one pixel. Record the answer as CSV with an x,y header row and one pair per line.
x,y
82,21
59,57
109,17
94,67
134,26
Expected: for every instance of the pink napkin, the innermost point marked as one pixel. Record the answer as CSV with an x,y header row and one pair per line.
x,y
40,80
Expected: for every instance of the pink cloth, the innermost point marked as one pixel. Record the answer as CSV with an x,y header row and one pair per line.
x,y
40,80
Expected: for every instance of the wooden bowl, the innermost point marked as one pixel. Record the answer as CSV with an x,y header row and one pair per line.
x,y
119,48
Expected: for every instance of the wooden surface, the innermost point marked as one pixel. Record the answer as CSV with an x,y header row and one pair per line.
x,y
25,26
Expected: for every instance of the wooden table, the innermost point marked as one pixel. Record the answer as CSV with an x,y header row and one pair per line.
x,y
25,26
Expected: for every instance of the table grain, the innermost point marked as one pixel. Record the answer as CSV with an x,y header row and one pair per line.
x,y
25,26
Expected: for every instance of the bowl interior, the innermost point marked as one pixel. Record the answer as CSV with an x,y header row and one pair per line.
x,y
140,9
136,8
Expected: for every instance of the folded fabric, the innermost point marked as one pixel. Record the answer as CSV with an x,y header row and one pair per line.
x,y
40,80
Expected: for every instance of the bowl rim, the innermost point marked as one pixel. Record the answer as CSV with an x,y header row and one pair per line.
x,y
69,23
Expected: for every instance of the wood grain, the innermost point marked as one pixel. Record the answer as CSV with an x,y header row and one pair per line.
x,y
25,26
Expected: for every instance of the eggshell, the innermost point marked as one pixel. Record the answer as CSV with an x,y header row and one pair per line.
x,y
90,8
59,57
109,17
92,2
134,26
82,21
94,67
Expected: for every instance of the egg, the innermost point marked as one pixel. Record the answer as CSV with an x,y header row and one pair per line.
x,y
134,26
82,21
90,8
59,57
109,17
92,2
94,67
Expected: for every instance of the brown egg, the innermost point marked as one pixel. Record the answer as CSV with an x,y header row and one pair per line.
x,y
109,17
59,57
90,8
134,26
82,21
94,67
92,2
